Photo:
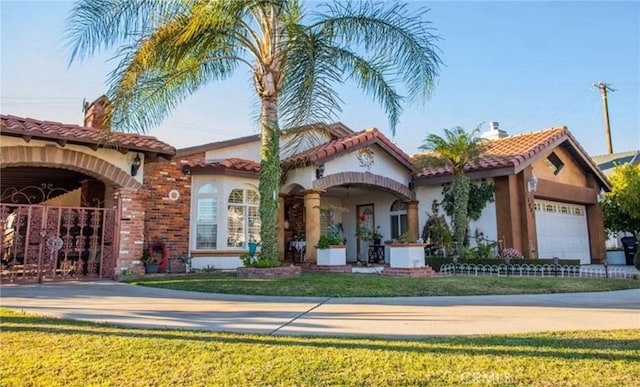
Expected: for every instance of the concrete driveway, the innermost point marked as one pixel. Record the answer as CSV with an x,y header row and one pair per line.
x,y
410,317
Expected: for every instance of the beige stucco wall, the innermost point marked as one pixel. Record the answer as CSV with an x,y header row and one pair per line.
x,y
487,223
383,165
571,173
112,156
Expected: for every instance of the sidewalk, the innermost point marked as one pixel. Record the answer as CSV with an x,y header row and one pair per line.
x,y
404,317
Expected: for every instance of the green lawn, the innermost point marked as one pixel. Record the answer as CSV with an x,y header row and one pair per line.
x,y
367,285
40,351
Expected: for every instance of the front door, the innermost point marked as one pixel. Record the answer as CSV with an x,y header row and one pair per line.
x,y
364,227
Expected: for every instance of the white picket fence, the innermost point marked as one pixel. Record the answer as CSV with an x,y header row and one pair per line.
x,y
503,270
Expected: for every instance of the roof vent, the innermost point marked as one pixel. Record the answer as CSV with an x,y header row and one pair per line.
x,y
494,132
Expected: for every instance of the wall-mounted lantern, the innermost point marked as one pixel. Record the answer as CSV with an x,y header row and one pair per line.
x,y
137,162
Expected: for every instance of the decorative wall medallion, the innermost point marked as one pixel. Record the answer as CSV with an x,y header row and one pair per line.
x,y
174,195
365,157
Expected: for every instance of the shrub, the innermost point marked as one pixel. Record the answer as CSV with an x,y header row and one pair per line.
x,y
636,260
329,240
260,262
511,254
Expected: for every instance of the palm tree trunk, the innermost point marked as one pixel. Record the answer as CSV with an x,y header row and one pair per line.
x,y
269,178
461,195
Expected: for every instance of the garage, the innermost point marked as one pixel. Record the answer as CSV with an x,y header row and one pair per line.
x,y
562,231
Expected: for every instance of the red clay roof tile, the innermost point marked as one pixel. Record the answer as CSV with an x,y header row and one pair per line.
x,y
230,163
342,144
509,151
49,130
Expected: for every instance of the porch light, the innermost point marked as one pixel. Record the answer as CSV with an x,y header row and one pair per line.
x,y
532,184
601,196
136,165
320,171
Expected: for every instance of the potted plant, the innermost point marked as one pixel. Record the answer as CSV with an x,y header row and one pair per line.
x,y
376,236
150,262
331,251
406,253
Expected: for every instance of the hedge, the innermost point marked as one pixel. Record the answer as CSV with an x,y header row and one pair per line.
x,y
437,262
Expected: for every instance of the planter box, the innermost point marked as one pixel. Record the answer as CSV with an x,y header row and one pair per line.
x,y
406,255
616,257
332,256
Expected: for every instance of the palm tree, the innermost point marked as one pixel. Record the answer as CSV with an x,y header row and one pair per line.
x,y
168,49
457,149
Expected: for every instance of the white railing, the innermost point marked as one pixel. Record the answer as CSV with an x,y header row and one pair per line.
x,y
503,270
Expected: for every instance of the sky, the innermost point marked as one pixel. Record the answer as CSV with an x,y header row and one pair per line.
x,y
527,65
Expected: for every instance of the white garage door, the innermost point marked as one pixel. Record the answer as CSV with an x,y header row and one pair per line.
x,y
562,231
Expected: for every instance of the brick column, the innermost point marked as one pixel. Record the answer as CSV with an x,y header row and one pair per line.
x,y
281,247
412,218
312,223
131,238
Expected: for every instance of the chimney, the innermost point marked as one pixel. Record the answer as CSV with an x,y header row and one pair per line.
x,y
96,113
494,132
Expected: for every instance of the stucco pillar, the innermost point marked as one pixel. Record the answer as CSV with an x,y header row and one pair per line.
x,y
595,224
281,248
412,218
528,210
312,223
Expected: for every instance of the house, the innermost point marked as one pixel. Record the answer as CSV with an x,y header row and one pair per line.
x,y
607,163
202,202
546,196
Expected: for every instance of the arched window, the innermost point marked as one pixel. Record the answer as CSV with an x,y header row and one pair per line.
x,y
243,218
206,217
398,214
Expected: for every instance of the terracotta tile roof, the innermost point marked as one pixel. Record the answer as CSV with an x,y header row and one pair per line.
x,y
340,145
512,151
57,131
234,163
336,129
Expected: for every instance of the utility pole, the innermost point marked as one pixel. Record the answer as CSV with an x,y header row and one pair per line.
x,y
605,108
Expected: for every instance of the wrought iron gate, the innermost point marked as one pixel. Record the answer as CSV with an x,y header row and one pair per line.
x,y
42,242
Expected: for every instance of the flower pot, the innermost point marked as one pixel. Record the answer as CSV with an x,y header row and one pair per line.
x,y
151,267
615,257
332,256
406,255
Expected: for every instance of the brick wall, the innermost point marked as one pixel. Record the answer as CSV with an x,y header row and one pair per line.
x,y
167,218
132,213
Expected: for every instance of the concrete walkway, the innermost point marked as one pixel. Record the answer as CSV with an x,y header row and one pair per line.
x,y
405,317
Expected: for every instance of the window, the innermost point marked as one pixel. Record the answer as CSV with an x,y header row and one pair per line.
x,y
554,162
206,217
398,219
243,218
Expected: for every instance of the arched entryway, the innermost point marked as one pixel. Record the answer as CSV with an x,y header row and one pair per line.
x,y
58,214
364,200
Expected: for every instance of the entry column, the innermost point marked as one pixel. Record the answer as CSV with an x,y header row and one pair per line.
x,y
312,223
412,218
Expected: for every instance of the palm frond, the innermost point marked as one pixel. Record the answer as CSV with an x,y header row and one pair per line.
x,y
457,148
392,34
95,25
